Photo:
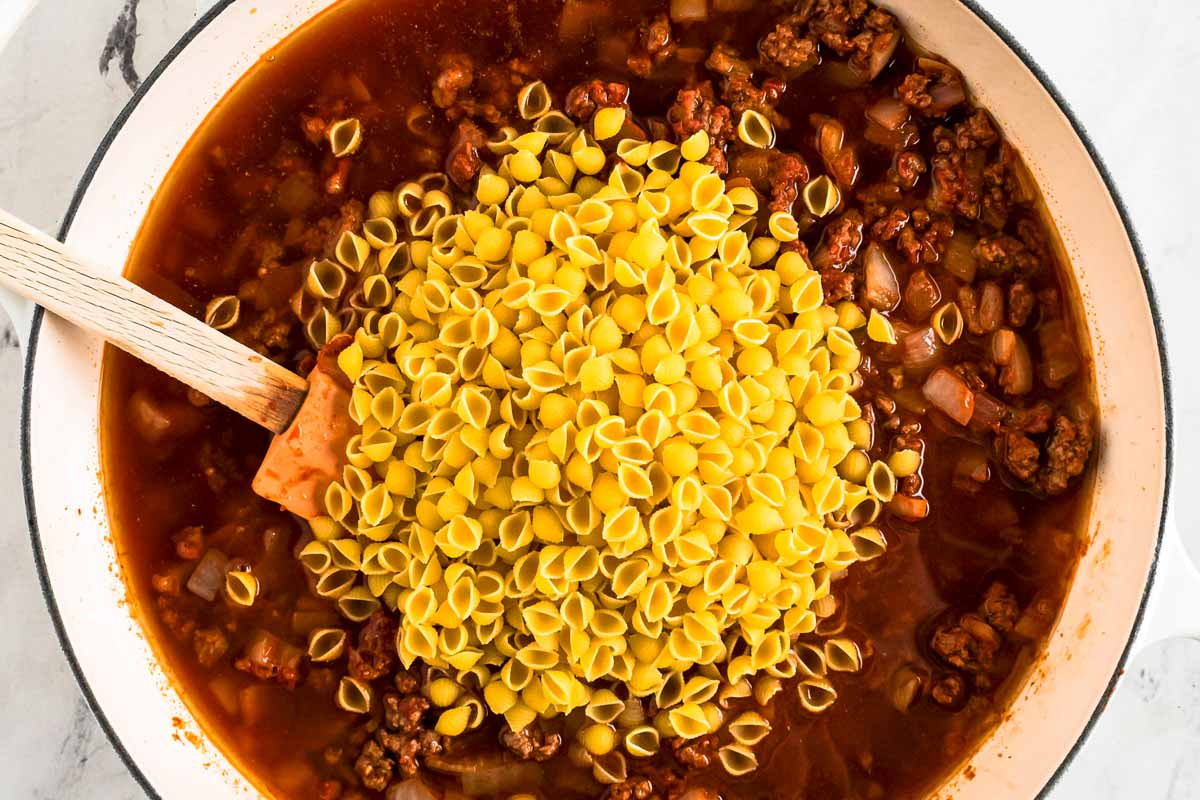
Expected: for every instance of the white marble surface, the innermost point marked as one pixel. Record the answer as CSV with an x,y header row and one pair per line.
x,y
56,103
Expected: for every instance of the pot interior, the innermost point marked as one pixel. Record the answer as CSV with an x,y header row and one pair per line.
x,y
129,686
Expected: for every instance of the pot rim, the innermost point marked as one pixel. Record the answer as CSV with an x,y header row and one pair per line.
x,y
220,6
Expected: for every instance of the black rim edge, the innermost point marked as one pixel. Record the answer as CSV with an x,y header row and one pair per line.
x,y
1156,316
973,5
26,401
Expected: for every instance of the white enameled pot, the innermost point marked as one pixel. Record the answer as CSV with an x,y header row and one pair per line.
x,y
131,693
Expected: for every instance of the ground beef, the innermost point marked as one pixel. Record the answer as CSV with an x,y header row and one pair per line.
x,y
376,651
1019,455
696,109
854,28
999,608
406,751
1020,303
1064,455
410,749
976,132
787,174
1004,255
586,99
404,713
909,437
400,744
840,241
1067,452
738,88
210,645
949,691
957,178
432,743
970,644
1035,419
925,240
175,615
837,285
695,753
533,743
888,226
789,46
908,169
314,127
933,90
373,767
836,22
406,682
1003,189
652,46
463,161
169,582
189,543
456,73
996,193
958,166
634,788
880,200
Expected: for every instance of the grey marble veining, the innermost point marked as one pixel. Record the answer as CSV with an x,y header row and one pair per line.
x,y
70,67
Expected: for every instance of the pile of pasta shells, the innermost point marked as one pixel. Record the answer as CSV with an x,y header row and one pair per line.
x,y
608,446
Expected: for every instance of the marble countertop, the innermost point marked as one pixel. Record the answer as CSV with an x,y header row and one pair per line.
x,y
70,65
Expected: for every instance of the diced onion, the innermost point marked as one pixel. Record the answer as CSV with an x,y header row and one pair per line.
x,y
208,578
1010,353
972,467
921,294
921,351
991,306
989,412
950,394
905,687
1060,359
888,113
959,259
883,287
882,52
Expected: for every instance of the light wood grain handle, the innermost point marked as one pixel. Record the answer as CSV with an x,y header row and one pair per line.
x,y
38,267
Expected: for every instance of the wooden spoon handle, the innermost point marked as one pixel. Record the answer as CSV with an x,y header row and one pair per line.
x,y
38,267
